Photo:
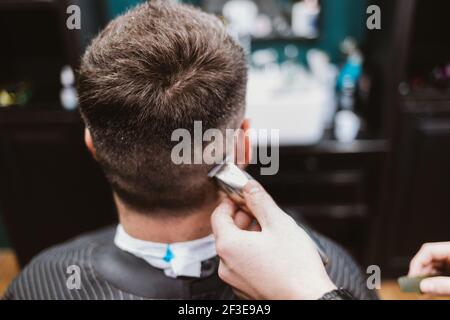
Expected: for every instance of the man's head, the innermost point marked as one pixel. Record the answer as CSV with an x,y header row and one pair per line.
x,y
157,68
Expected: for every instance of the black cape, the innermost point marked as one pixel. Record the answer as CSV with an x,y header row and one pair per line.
x,y
108,273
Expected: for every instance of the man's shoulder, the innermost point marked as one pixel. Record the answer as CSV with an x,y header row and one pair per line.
x,y
57,272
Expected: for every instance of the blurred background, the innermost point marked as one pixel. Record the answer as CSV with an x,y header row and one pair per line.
x,y
364,118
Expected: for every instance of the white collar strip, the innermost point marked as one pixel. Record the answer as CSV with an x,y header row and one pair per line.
x,y
176,259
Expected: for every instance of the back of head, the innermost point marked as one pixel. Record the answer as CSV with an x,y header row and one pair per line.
x,y
157,68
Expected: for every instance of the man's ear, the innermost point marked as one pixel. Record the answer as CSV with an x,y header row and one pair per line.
x,y
244,145
89,143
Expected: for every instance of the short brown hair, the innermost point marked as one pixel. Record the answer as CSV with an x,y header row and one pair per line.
x,y
159,67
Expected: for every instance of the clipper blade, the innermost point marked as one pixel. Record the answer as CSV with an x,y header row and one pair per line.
x,y
232,181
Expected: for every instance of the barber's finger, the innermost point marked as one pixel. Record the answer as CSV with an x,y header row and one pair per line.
x,y
421,263
436,286
428,255
260,203
246,222
222,219
243,220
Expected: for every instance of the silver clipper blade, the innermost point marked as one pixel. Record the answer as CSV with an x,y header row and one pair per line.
x,y
232,181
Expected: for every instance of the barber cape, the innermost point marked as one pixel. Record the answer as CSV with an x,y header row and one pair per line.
x,y
92,267
100,270
177,259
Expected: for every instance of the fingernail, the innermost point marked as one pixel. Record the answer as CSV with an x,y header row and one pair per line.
x,y
252,187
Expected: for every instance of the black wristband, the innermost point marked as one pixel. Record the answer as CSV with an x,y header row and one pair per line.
x,y
338,294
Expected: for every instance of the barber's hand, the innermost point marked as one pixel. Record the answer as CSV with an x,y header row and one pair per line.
x,y
433,259
275,259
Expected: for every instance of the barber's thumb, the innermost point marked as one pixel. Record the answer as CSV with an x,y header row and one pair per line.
x,y
222,219
436,285
260,203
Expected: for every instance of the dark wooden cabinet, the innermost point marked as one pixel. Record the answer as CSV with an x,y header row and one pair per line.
x,y
51,189
417,207
415,196
333,187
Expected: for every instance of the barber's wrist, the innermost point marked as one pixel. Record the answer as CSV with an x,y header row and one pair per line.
x,y
315,292
338,294
323,290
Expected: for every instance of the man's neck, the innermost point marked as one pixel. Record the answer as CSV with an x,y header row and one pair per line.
x,y
165,228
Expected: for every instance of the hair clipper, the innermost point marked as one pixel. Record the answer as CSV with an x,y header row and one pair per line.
x,y
232,180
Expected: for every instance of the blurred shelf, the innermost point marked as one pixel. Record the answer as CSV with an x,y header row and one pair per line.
x,y
424,103
330,146
357,146
428,93
338,212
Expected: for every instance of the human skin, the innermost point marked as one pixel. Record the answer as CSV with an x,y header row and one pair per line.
x,y
433,259
274,259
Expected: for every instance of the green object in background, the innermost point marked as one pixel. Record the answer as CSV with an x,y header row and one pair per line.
x,y
116,7
410,284
341,19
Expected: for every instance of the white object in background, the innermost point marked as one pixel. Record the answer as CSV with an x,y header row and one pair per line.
x,y
266,74
262,27
68,95
241,14
326,73
69,98
347,125
67,76
305,15
319,64
290,68
298,112
265,57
